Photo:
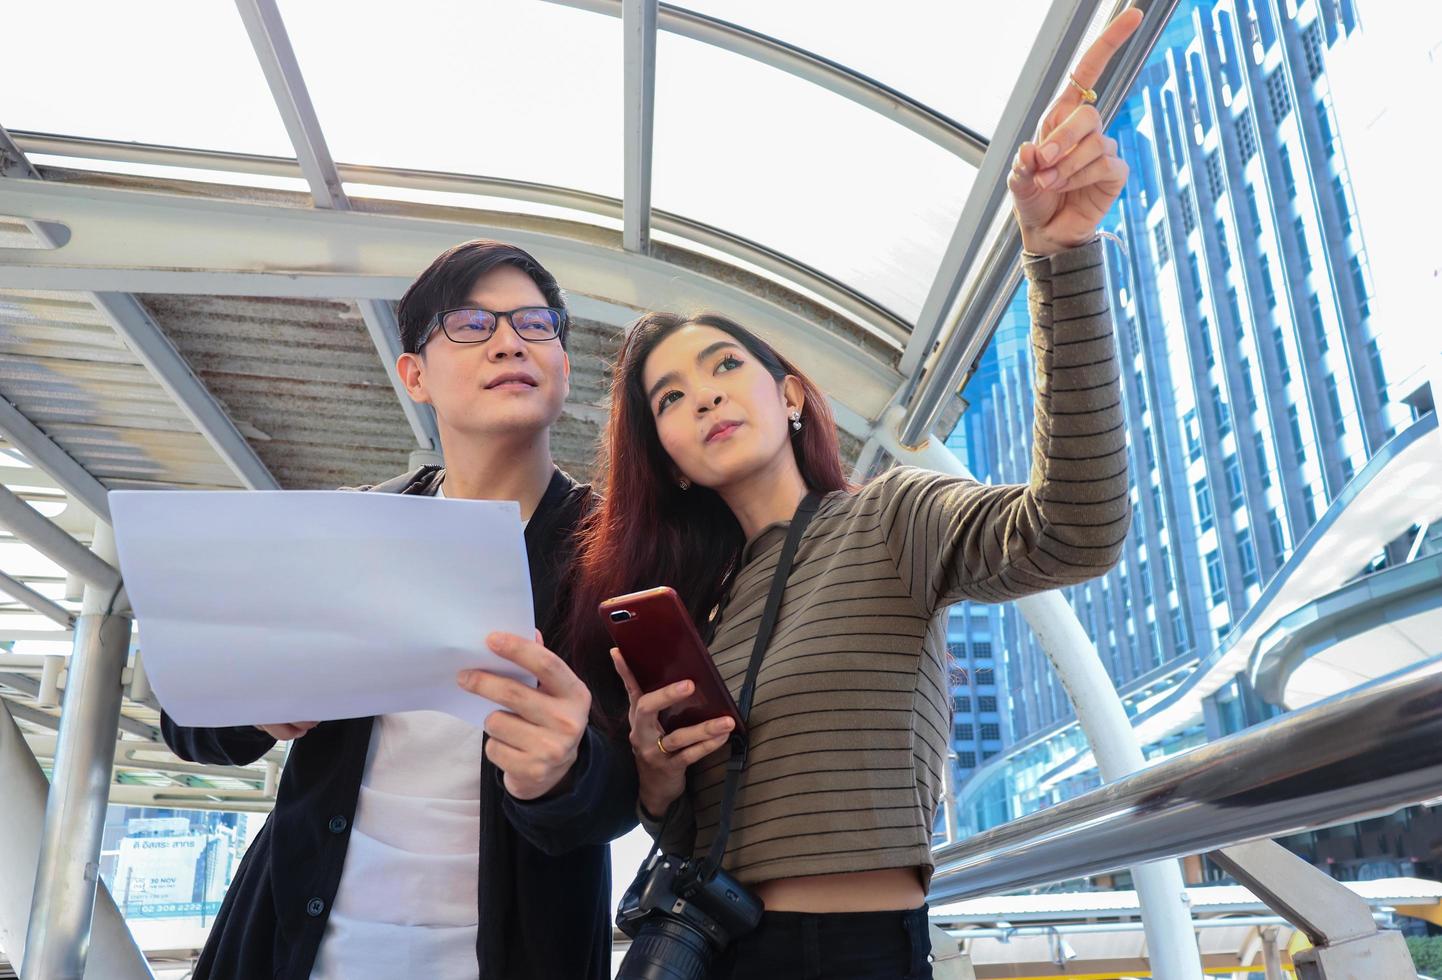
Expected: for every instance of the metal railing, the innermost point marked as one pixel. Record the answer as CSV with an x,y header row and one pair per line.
x,y
1366,753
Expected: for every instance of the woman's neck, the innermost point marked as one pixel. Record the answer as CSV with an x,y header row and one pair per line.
x,y
766,496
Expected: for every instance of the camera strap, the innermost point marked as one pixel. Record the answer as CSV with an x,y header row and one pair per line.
x,y
734,765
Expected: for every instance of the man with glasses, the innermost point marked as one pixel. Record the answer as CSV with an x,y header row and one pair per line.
x,y
407,845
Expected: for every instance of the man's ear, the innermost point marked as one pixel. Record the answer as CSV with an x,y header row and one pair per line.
x,y
410,368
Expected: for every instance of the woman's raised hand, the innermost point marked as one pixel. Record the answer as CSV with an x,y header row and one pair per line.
x,y
662,758
1065,182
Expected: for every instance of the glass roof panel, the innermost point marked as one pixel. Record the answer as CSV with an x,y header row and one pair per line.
x,y
504,88
767,156
960,58
163,71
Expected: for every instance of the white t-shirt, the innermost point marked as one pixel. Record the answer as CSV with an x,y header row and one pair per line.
x,y
406,905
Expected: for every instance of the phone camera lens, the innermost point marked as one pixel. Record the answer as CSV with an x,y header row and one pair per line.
x,y
620,616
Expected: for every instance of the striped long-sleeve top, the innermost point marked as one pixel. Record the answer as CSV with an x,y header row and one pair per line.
x,y
851,713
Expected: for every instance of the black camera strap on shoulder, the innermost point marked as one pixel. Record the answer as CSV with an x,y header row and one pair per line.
x,y
707,868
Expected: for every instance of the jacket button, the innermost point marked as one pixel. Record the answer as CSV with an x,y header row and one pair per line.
x,y
314,907
337,824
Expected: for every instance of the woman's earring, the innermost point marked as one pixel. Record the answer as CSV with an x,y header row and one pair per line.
x,y
796,421
684,483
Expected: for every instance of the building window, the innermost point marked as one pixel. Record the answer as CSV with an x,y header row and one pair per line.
x,y
1335,404
1311,506
1347,469
1246,135
1215,578
1279,538
1146,582
1194,435
1234,480
990,731
988,754
1224,416
1203,496
1179,632
981,648
1222,247
1159,234
1189,213
964,731
986,675
1278,96
1289,179
1295,423
1269,289
1312,48
1282,367
962,703
1234,305
1215,184
986,702
966,760
1324,124
1264,471
1196,276
956,649
1206,336
1249,389
1247,556
1359,282
1379,376
1319,322
1253,211
1344,209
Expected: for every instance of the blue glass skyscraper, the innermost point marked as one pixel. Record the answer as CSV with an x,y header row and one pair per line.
x,y
1255,380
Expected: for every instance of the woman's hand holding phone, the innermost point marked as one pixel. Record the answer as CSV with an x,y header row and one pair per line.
x,y
661,757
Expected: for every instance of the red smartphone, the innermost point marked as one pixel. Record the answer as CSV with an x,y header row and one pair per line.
x,y
661,646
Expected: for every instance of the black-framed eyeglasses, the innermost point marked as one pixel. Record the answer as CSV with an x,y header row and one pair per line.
x,y
472,325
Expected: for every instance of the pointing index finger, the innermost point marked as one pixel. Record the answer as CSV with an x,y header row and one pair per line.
x,y
1089,69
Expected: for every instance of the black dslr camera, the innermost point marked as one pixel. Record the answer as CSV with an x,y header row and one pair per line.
x,y
679,919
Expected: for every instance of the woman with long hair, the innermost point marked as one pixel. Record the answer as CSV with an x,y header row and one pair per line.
x,y
714,440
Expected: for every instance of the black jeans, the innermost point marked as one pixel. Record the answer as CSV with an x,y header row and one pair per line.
x,y
831,946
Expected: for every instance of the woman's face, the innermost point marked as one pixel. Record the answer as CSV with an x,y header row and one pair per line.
x,y
720,415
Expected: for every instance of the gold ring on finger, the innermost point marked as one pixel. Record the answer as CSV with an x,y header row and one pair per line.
x,y
1089,95
662,745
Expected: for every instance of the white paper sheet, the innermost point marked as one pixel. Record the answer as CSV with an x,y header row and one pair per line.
x,y
259,608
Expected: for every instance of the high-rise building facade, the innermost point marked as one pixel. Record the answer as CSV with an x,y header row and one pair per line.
x,y
1255,377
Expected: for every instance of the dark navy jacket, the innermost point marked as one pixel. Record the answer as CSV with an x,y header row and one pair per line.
x,y
544,899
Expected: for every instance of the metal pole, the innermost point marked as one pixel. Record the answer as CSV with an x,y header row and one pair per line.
x,y
1271,957
58,938
1166,917
22,814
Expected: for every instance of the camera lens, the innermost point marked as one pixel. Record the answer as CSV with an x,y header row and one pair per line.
x,y
666,949
620,616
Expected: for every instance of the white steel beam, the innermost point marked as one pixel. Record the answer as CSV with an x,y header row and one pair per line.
x,y
868,314
638,26
45,454
885,101
282,73
133,323
287,87
186,244
1046,65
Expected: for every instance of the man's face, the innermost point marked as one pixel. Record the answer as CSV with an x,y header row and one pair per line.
x,y
503,386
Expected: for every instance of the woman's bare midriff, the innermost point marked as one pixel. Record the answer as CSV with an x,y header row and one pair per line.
x,y
887,890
